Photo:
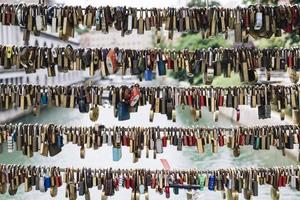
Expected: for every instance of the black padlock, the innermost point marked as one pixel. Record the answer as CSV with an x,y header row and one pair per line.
x,y
169,108
86,58
290,141
89,179
81,188
254,188
83,106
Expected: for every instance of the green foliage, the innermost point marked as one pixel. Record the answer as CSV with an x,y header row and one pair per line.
x,y
221,81
80,31
295,1
268,2
218,81
194,41
270,43
202,3
265,2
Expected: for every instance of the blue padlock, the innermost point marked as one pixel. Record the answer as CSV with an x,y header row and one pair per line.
x,y
47,182
59,140
148,75
83,106
161,67
117,153
123,111
211,182
142,189
257,142
44,99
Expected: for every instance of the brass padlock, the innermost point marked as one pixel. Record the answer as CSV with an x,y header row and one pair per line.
x,y
236,151
275,195
208,77
82,152
296,116
44,149
94,113
293,75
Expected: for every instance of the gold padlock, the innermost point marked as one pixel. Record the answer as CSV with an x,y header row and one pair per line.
x,y
235,195
293,75
94,113
151,115
44,149
53,191
296,116
247,194
9,52
236,151
229,194
275,195
174,115
216,116
82,152
208,77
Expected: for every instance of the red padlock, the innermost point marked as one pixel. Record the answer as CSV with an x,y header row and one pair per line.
x,y
185,140
128,141
242,139
290,60
194,140
289,28
124,140
164,141
246,20
221,100
283,180
116,183
127,183
132,183
134,95
202,100
190,99
280,181
221,140
153,182
180,180
294,11
190,140
8,18
167,191
111,61
170,63
58,181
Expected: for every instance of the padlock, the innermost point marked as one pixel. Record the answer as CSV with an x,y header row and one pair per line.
x,y
148,75
123,111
